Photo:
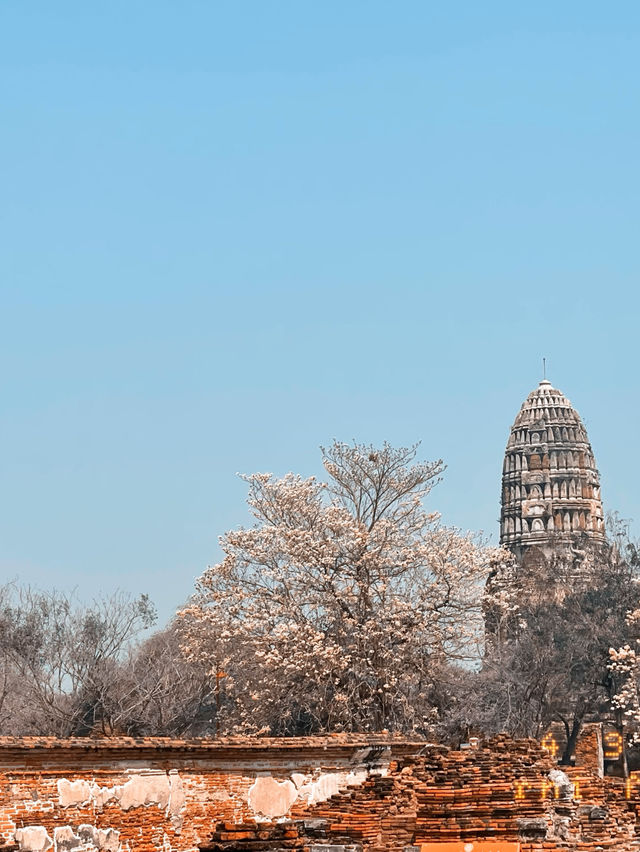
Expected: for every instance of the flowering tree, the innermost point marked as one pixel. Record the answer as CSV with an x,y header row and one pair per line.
x,y
624,666
337,609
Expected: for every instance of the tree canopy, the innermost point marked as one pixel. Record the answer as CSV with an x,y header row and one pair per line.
x,y
338,608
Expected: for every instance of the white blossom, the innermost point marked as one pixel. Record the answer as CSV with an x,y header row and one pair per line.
x,y
338,608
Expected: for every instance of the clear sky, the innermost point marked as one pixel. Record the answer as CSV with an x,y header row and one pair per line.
x,y
231,231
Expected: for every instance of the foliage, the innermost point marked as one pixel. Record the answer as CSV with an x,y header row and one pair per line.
x,y
157,691
552,622
339,607
61,656
624,664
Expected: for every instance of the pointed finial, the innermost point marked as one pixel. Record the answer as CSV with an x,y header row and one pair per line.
x,y
544,382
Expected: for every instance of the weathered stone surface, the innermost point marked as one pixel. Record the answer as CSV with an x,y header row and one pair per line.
x,y
333,847
535,827
562,783
597,814
550,484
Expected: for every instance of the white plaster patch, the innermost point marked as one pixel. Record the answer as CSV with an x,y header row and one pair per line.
x,y
65,839
176,804
106,840
101,795
355,778
329,783
321,789
73,792
299,779
149,788
271,798
144,790
33,838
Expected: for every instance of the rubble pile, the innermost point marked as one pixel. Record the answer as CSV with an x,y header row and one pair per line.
x,y
253,836
305,835
504,790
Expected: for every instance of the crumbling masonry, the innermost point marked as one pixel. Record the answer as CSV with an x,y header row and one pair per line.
x,y
327,793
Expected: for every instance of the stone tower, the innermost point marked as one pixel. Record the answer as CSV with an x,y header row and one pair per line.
x,y
550,484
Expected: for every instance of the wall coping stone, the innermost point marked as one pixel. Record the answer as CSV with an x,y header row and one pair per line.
x,y
225,749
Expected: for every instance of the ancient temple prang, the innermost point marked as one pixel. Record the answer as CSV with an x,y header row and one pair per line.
x,y
550,483
551,517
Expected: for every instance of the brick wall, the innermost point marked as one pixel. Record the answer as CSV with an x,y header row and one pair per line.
x,y
161,795
503,791
378,793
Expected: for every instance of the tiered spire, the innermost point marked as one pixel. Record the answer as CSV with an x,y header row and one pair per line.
x,y
550,484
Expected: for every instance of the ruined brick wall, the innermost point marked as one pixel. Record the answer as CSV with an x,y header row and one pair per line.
x,y
503,791
379,793
164,796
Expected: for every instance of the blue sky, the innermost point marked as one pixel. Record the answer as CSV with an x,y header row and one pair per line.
x,y
233,231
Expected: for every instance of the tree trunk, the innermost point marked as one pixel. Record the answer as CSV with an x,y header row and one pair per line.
x,y
572,739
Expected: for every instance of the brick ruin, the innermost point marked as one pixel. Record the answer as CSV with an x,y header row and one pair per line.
x,y
369,793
